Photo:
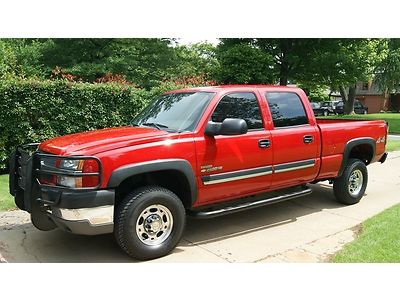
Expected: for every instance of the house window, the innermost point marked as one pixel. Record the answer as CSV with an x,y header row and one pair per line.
x,y
365,86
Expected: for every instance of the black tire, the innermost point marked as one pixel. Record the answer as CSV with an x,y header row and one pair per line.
x,y
342,185
131,212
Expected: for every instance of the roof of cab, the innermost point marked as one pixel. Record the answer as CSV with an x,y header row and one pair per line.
x,y
238,87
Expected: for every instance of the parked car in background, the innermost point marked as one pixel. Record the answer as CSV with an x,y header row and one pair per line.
x,y
359,108
324,108
315,106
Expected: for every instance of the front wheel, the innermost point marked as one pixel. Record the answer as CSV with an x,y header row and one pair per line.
x,y
149,222
350,187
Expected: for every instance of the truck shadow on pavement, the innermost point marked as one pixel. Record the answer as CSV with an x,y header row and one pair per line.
x,y
24,243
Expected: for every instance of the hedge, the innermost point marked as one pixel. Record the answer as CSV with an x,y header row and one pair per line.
x,y
33,111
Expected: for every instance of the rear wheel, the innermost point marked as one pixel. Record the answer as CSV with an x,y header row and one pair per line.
x,y
350,187
149,222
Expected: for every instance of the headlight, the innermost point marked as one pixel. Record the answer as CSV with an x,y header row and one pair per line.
x,y
73,165
70,172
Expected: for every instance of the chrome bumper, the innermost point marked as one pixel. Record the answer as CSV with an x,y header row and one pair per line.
x,y
87,221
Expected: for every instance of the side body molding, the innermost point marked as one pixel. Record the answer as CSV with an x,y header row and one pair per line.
x,y
179,165
353,143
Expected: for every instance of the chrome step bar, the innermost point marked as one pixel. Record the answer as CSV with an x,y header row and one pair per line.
x,y
205,214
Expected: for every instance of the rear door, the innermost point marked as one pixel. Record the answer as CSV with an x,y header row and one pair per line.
x,y
294,140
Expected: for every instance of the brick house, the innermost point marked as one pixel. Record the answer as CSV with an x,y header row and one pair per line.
x,y
372,97
376,100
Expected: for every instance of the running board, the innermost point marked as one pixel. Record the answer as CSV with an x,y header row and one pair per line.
x,y
205,214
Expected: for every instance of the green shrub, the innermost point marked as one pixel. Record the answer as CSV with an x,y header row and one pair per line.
x,y
33,111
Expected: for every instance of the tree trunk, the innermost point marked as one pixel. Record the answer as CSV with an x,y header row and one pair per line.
x,y
283,80
343,93
349,104
285,45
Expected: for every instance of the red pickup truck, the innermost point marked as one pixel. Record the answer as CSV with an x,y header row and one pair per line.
x,y
202,152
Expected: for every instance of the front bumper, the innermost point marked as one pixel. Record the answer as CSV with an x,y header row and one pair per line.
x,y
89,213
80,211
87,221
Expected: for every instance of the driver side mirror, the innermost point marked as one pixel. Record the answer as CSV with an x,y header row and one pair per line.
x,y
229,126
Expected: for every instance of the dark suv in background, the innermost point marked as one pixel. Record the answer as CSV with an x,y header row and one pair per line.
x,y
359,108
324,108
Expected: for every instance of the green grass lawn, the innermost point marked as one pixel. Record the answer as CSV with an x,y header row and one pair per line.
x,y
393,145
392,118
379,240
6,200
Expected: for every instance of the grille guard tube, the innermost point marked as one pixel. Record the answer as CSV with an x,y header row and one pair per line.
x,y
63,172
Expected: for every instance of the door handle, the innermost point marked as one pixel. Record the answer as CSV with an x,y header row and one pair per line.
x,y
264,143
308,139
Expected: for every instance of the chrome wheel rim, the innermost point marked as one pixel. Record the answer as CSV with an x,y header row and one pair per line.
x,y
355,182
154,225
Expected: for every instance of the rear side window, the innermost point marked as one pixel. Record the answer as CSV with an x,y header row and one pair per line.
x,y
286,109
239,105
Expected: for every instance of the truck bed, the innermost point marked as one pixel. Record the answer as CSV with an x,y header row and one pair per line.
x,y
336,133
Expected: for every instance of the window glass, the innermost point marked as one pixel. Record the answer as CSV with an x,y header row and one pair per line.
x,y
239,105
175,111
286,109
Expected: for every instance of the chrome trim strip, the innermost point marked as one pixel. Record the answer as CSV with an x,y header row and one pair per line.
x,y
294,166
236,175
236,178
256,172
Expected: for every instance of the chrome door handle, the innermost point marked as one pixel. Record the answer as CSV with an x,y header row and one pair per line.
x,y
308,139
264,143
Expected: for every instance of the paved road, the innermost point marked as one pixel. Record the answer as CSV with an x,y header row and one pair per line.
x,y
306,229
393,137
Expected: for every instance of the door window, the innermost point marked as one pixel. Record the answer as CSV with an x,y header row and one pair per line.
x,y
239,105
286,109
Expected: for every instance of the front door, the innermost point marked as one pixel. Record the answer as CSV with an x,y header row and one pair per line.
x,y
239,165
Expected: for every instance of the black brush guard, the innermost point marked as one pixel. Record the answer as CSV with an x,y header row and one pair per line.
x,y
28,192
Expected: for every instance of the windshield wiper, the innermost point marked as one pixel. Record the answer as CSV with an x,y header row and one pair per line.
x,y
156,125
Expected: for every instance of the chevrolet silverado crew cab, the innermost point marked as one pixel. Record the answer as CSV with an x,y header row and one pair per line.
x,y
202,152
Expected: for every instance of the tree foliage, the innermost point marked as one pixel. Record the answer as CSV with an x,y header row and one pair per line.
x,y
242,62
21,58
388,67
315,64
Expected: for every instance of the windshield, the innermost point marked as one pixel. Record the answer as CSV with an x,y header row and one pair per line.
x,y
174,111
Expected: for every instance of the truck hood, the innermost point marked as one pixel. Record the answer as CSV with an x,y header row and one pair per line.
x,y
96,141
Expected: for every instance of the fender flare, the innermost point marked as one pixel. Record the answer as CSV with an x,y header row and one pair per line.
x,y
180,165
350,145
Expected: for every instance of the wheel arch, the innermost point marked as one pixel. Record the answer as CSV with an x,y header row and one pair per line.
x,y
360,148
174,174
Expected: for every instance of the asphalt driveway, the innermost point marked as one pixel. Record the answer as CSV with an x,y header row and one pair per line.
x,y
307,229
